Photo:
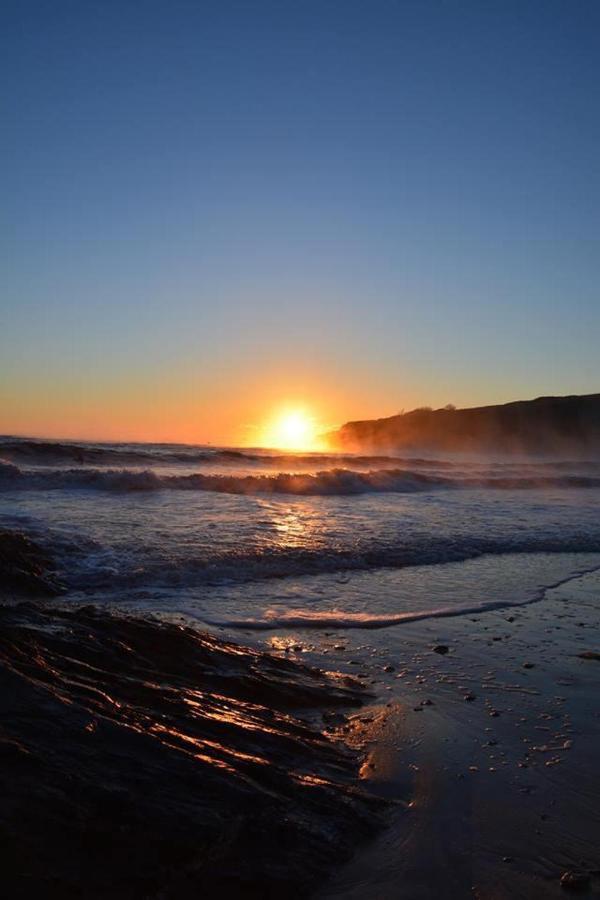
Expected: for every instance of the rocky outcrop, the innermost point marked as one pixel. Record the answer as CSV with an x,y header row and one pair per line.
x,y
145,760
25,566
548,426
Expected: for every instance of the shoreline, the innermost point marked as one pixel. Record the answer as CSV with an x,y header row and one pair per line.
x,y
468,771
490,749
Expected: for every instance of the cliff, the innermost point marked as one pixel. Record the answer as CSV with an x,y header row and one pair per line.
x,y
546,425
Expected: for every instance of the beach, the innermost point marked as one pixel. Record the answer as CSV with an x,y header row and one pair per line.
x,y
470,768
300,451
388,683
491,752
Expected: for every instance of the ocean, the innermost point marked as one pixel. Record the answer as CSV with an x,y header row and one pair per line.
x,y
266,544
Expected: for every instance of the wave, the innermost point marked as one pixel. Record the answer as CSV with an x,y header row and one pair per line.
x,y
329,482
140,565
43,452
84,567
53,452
506,473
8,471
335,618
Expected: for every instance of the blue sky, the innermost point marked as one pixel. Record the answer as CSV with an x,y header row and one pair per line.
x,y
213,206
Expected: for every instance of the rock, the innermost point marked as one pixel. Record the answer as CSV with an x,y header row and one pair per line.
x,y
127,809
25,567
389,668
574,881
12,751
442,649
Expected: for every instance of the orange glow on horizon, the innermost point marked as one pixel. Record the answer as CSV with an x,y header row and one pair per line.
x,y
292,429
245,407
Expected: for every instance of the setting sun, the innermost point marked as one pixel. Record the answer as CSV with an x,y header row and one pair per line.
x,y
293,429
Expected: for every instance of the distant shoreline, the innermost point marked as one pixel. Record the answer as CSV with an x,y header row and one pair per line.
x,y
546,426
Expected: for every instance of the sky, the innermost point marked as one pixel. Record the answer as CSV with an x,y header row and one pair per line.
x,y
213,210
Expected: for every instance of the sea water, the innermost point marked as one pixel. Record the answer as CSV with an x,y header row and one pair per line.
x,y
254,541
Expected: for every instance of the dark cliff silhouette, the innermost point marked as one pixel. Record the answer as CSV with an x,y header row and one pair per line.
x,y
544,426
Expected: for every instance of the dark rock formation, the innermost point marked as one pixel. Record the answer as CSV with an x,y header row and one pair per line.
x,y
547,425
143,760
25,567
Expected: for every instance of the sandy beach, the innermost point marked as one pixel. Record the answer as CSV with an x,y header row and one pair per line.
x,y
490,751
470,769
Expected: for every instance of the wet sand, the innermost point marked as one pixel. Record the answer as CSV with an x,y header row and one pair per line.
x,y
490,751
146,759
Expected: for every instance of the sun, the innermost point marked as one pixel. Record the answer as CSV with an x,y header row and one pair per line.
x,y
292,429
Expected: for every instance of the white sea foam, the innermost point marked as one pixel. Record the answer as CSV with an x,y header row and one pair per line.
x,y
523,594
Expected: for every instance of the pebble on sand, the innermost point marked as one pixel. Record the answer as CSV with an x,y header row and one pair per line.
x,y
574,881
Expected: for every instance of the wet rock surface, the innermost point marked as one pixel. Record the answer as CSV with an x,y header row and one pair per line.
x,y
141,759
575,881
25,567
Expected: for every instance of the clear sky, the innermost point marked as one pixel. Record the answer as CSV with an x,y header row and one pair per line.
x,y
210,209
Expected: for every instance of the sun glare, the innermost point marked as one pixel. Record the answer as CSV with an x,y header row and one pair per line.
x,y
293,429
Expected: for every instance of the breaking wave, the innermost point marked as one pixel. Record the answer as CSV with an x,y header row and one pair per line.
x,y
53,452
8,471
42,452
329,482
86,567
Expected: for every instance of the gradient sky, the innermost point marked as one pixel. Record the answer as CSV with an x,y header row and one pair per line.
x,y
213,208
